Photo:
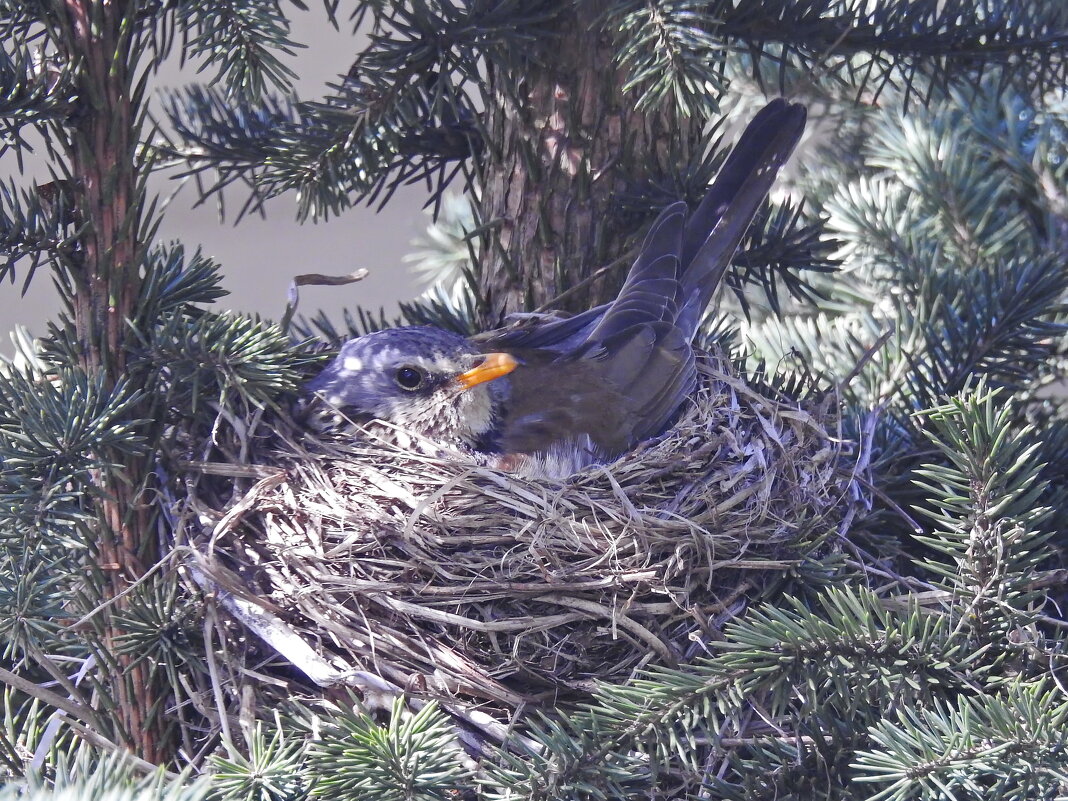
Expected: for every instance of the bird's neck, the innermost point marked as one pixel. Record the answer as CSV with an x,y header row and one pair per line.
x,y
467,421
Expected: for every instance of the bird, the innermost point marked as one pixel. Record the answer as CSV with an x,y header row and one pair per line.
x,y
564,393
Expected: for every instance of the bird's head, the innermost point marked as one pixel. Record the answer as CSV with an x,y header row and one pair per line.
x,y
422,379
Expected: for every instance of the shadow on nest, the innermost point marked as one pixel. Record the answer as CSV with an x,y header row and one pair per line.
x,y
439,576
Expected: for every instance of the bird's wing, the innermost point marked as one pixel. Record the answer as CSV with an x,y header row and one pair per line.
x,y
559,335
653,366
652,286
635,366
642,344
625,380
609,395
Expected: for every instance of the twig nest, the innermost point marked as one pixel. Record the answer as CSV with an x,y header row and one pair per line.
x,y
443,575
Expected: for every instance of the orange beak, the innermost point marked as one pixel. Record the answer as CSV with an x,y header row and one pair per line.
x,y
493,366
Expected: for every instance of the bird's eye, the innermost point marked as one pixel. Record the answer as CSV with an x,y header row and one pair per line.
x,y
410,378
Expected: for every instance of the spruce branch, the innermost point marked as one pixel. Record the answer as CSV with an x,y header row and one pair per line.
x,y
32,592
1009,745
22,723
36,225
669,51
19,20
448,247
244,39
174,284
951,239
225,139
272,770
159,628
33,90
911,46
452,311
568,761
957,185
404,112
415,756
354,323
997,322
112,777
62,431
784,246
665,726
984,498
217,360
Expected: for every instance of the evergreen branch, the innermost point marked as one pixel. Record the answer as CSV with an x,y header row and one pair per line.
x,y
367,139
217,359
784,661
20,19
415,757
114,776
781,246
404,112
1030,146
72,708
830,344
448,247
571,759
669,50
56,432
850,627
229,139
35,224
985,501
354,324
160,628
996,322
1053,456
59,431
23,722
173,284
454,311
343,148
242,38
423,39
871,215
31,505
957,245
273,768
32,595
962,195
1011,745
874,45
32,91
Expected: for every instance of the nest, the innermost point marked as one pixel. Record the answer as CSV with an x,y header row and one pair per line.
x,y
451,578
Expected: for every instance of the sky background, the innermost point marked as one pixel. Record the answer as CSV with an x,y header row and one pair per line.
x,y
259,257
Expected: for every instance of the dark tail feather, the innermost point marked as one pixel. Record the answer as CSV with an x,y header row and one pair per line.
x,y
715,229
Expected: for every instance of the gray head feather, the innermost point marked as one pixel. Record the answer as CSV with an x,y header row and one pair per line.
x,y
407,376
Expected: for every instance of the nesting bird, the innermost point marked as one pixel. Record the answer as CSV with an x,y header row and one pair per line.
x,y
570,392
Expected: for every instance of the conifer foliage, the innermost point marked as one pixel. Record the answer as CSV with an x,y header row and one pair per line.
x,y
923,280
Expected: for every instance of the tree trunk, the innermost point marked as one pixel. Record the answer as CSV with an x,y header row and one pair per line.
x,y
104,195
571,146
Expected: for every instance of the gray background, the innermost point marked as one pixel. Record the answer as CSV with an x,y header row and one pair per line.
x,y
259,257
